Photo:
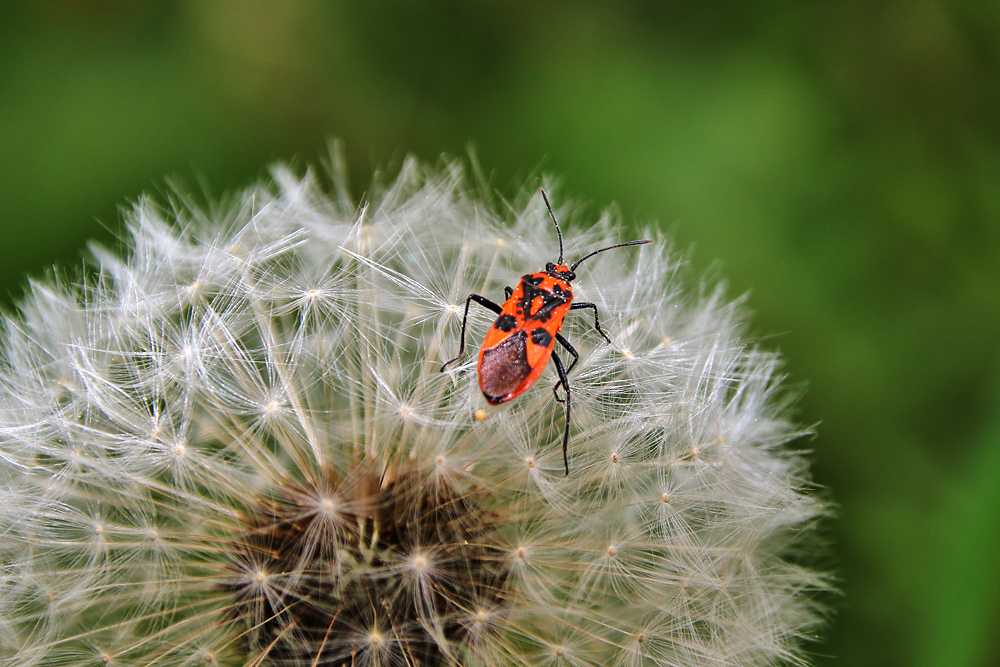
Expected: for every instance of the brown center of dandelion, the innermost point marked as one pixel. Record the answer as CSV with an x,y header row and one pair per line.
x,y
368,571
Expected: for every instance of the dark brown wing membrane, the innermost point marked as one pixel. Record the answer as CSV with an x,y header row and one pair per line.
x,y
503,367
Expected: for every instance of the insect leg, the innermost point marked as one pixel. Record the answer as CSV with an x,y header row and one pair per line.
x,y
482,301
507,291
597,322
576,358
564,380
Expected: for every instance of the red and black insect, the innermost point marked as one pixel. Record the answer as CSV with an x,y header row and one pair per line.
x,y
523,337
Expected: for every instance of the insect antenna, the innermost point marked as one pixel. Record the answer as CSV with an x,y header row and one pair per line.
x,y
555,222
620,245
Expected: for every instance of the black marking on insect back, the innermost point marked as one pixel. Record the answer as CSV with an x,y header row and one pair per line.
x,y
541,337
505,323
529,292
533,279
503,367
550,301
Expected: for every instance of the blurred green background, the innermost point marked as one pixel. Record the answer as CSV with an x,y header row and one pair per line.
x,y
839,159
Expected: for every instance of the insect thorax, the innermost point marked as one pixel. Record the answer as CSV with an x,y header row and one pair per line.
x,y
541,295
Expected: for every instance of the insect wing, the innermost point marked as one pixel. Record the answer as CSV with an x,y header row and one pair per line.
x,y
504,367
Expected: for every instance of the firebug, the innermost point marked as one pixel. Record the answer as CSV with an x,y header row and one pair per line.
x,y
522,339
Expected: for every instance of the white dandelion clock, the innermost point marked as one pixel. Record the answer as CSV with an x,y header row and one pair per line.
x,y
235,447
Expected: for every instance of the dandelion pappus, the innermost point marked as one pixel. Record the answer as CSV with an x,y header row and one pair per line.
x,y
518,346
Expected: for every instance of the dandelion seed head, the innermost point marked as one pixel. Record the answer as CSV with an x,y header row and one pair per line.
x,y
232,447
327,506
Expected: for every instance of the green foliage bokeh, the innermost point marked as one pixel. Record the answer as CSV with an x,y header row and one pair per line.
x,y
841,160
